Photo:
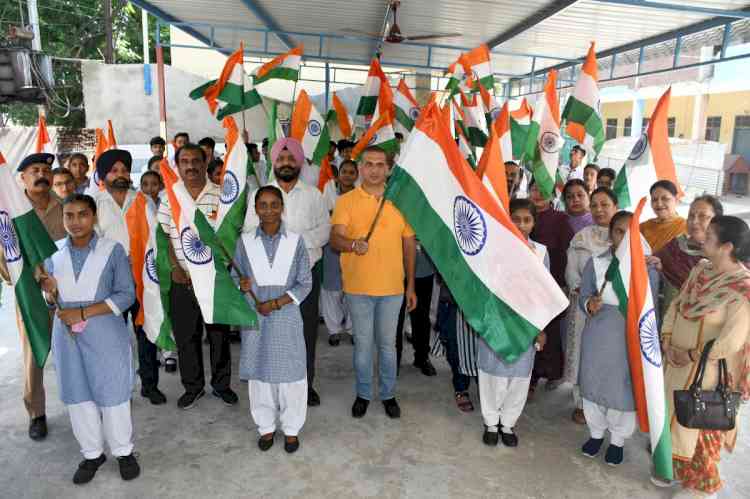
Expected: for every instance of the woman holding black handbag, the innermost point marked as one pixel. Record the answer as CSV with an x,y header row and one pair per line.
x,y
714,304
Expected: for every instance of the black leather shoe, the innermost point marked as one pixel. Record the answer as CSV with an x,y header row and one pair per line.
x,y
227,396
266,443
170,365
154,395
87,469
392,409
38,428
291,447
359,409
426,367
509,439
313,399
334,340
129,468
489,437
189,399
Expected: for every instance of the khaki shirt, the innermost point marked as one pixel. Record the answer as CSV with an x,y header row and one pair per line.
x,y
52,219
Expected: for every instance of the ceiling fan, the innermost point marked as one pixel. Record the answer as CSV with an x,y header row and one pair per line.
x,y
391,33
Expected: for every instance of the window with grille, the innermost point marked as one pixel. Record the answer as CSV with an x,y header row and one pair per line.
x,y
671,125
713,128
627,127
611,128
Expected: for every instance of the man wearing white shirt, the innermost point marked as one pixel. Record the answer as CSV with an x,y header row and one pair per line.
x,y
574,169
111,206
304,213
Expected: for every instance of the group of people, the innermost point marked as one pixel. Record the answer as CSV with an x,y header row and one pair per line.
x,y
347,254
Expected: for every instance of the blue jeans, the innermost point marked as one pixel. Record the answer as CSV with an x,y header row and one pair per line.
x,y
374,321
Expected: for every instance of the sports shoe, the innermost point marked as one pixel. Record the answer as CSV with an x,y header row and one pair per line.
x,y
614,455
154,395
592,446
189,399
227,396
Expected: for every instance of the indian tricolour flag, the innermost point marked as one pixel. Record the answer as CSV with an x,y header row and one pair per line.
x,y
111,141
26,244
238,179
584,123
520,120
474,120
371,90
380,134
43,142
629,279
282,67
407,109
100,146
233,92
310,129
480,67
491,168
649,160
149,260
340,115
543,143
503,289
206,259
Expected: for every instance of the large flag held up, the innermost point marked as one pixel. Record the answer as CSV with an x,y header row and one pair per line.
x,y
629,278
238,179
380,134
282,67
584,123
544,142
480,67
406,107
504,290
491,167
232,92
475,121
649,160
340,114
43,142
520,120
310,129
26,244
218,297
376,83
149,259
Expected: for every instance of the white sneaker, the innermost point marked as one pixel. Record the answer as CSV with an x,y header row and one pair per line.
x,y
661,483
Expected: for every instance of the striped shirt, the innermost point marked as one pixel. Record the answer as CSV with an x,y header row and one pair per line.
x,y
207,202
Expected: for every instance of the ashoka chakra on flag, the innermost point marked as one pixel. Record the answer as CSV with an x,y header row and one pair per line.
x,y
469,226
649,336
8,238
195,250
230,189
151,266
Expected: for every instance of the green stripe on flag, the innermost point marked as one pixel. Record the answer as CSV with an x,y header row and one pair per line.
x,y
322,147
518,136
621,188
231,225
164,340
248,100
613,276
36,246
278,73
477,137
229,306
505,331
580,112
662,454
367,105
197,93
404,119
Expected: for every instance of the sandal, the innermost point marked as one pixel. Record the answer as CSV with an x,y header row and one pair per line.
x,y
464,402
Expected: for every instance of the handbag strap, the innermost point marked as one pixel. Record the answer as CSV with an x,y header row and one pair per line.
x,y
698,379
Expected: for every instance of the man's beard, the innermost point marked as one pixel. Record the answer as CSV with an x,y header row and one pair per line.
x,y
120,183
287,173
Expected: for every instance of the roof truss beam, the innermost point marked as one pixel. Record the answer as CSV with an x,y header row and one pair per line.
x,y
737,14
269,21
531,21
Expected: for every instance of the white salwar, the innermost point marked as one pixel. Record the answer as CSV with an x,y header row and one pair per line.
x,y
335,312
288,400
502,400
92,425
599,419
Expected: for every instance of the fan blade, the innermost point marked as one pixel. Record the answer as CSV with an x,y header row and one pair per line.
x,y
429,37
360,32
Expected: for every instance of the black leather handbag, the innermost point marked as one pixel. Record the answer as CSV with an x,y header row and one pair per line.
x,y
707,409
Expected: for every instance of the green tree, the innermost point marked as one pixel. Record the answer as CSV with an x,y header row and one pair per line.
x,y
74,29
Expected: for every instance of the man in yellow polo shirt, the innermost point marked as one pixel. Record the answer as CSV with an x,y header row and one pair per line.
x,y
373,271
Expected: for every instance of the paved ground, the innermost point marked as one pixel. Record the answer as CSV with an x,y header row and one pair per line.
x,y
433,451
